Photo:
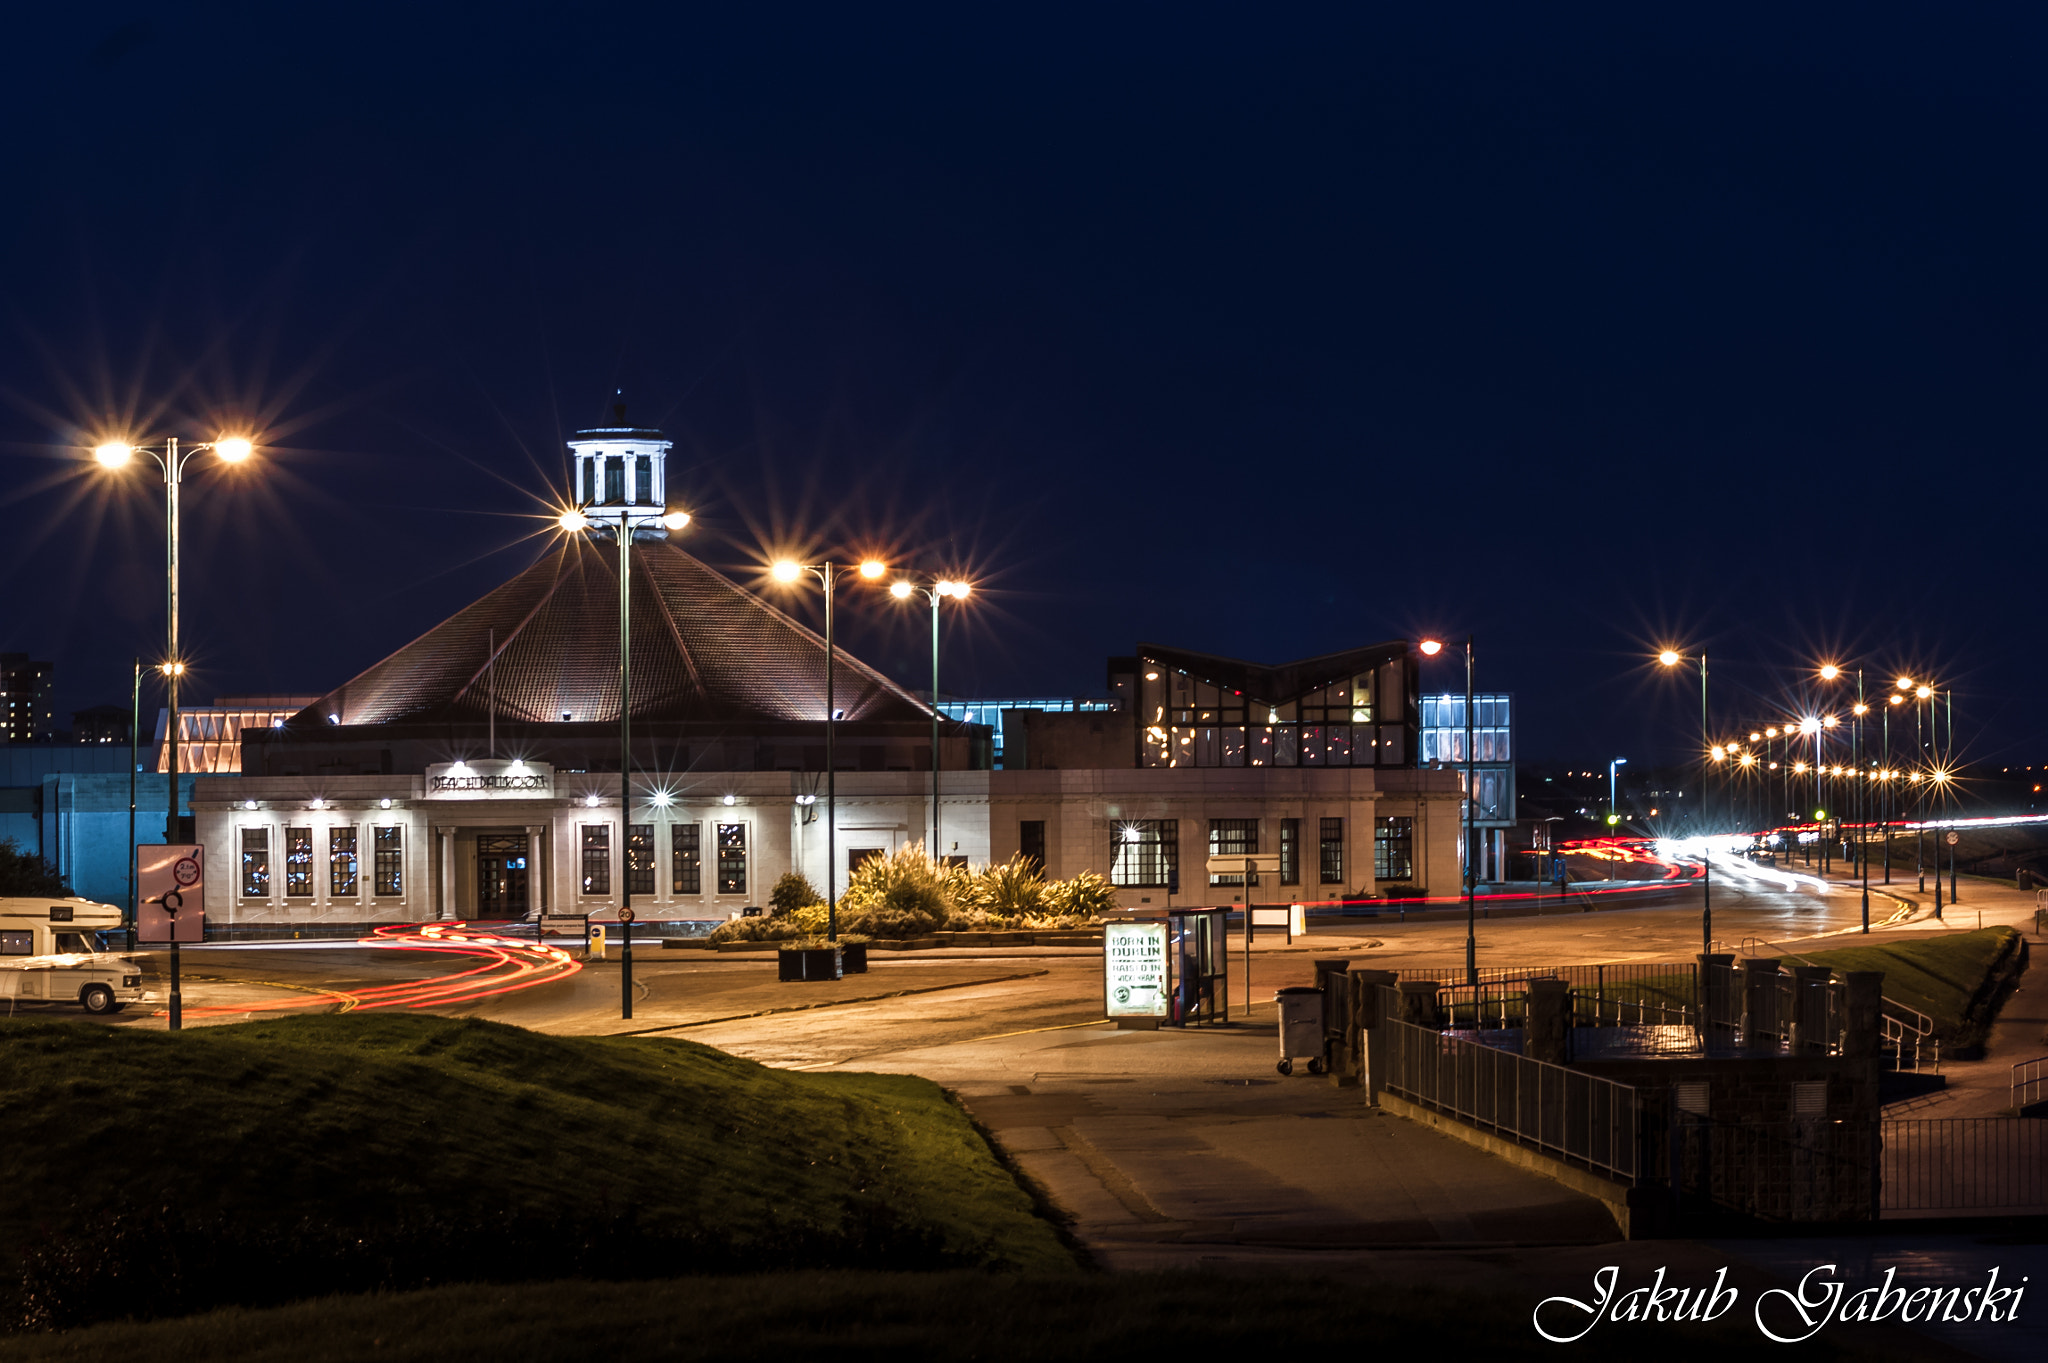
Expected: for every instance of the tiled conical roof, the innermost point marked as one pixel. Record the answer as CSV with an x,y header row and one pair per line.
x,y
703,649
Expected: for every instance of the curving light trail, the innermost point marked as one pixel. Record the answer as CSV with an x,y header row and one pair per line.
x,y
503,965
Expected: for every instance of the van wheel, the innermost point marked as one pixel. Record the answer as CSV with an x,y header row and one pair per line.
x,y
97,998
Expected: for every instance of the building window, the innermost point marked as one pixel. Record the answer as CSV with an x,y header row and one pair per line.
x,y
643,478
640,858
341,862
732,858
298,863
615,479
255,863
686,858
1031,842
590,480
1233,838
1333,851
390,847
597,858
1146,855
1290,851
1393,848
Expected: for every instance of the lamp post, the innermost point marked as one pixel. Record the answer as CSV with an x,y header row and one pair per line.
x,y
574,520
1862,799
1672,658
1613,797
935,591
134,754
172,460
1471,850
827,574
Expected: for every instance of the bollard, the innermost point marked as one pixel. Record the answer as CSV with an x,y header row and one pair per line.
x,y
593,945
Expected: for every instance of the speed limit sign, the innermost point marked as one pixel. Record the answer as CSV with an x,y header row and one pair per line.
x,y
625,915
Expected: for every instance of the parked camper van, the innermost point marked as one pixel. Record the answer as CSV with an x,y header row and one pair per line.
x,y
54,950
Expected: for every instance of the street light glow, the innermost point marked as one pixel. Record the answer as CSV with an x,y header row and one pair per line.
x,y
1831,721
951,589
676,520
1828,672
901,590
873,568
1809,725
1904,683
1668,657
1432,647
233,448
572,521
113,454
786,571
1923,692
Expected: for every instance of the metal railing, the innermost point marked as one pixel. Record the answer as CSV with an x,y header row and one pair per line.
x,y
1771,1171
1908,1039
1965,1164
1580,1118
2029,1082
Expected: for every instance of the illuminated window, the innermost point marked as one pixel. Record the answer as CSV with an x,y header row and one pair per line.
x,y
1333,851
597,858
1290,851
255,863
1231,838
298,863
1146,854
341,862
732,858
390,870
686,858
640,858
1393,848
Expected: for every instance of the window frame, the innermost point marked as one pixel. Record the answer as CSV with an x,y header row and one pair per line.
x,y
387,861
686,858
1238,828
344,850
298,861
640,859
1393,836
732,858
255,851
1330,851
1155,862
594,865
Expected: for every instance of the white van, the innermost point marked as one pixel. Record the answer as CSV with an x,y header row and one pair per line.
x,y
57,951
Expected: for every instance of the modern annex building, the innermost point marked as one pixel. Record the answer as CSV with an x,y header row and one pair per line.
x,y
474,773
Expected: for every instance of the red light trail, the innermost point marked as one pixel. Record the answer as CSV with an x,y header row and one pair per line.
x,y
504,965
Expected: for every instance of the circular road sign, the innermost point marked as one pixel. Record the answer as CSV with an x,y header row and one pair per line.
x,y
625,915
1953,839
186,871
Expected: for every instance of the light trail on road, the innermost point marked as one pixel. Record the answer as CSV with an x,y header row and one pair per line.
x,y
505,965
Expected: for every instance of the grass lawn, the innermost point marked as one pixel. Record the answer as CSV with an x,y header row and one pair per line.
x,y
479,1151
1944,975
899,1317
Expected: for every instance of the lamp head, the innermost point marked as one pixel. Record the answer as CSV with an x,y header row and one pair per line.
x,y
953,589
901,590
572,521
1831,721
1669,657
872,569
1828,672
113,454
1809,725
1904,683
233,448
675,520
1923,692
786,571
1897,698
1432,647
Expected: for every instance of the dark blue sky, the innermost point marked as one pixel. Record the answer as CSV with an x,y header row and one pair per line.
x,y
1254,332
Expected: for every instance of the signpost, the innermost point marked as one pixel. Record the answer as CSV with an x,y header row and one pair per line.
x,y
1249,865
1134,970
170,882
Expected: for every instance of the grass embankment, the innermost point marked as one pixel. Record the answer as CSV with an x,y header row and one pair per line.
x,y
254,1164
901,1318
1959,979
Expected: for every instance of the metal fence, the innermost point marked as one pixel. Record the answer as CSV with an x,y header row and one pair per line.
x,y
1965,1164
1769,1171
2029,1082
1577,1117
1908,1039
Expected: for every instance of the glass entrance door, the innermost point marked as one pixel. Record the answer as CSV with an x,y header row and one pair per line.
x,y
501,875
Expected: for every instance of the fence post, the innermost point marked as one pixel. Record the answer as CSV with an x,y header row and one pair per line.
x,y
1370,1039
1759,1000
1419,1003
1545,1024
1715,974
1809,1007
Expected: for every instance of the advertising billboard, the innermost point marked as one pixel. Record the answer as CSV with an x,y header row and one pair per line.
x,y
1134,970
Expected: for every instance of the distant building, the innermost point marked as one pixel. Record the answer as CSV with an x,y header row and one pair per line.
x,y
990,712
26,714
210,736
102,724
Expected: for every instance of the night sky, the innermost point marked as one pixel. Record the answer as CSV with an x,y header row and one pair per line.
x,y
1259,332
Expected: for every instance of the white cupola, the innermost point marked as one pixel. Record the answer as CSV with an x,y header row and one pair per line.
x,y
621,469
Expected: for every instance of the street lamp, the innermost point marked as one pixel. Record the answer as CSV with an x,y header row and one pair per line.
x,y
935,591
1672,658
114,454
1430,648
828,573
572,521
1613,801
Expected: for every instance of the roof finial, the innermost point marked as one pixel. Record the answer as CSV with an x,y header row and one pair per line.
x,y
619,407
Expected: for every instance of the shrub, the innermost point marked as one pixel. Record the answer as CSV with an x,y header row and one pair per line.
x,y
793,891
1086,896
906,891
800,922
1009,889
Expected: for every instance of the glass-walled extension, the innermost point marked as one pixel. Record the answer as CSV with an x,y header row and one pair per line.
x,y
1188,716
1443,728
990,712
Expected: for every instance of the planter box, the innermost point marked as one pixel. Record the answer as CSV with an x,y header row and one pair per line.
x,y
905,944
745,946
1012,939
820,963
963,939
853,958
